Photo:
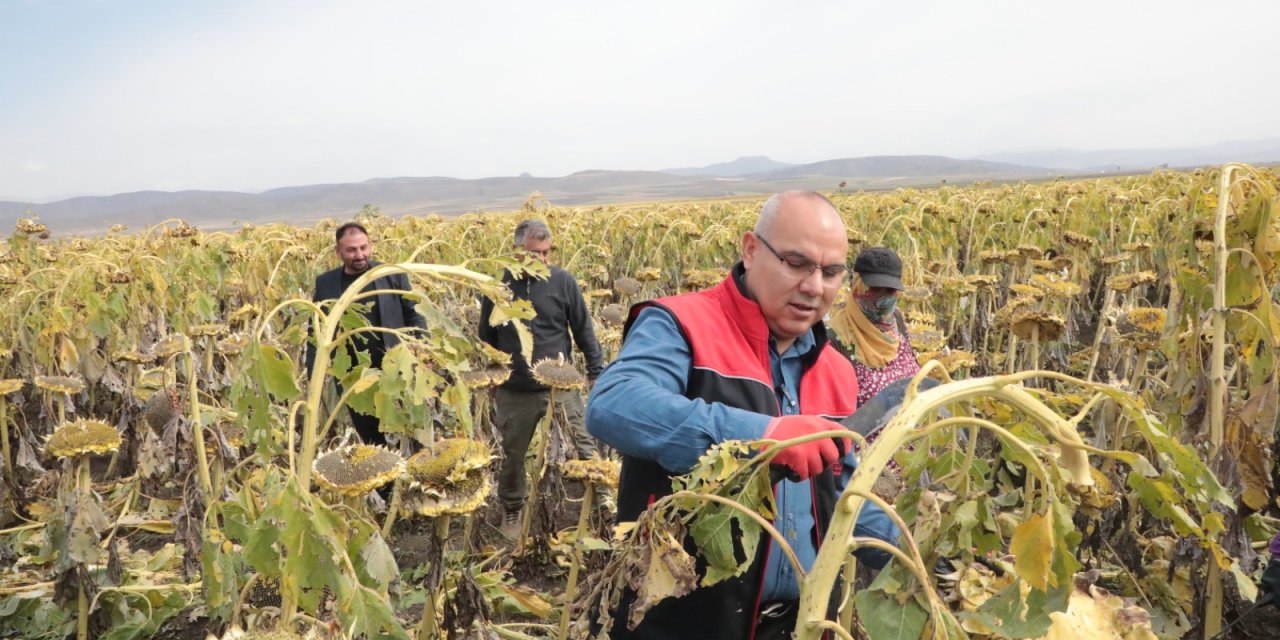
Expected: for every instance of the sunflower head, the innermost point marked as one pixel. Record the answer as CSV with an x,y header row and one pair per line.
x,y
60,384
1027,291
601,471
171,345
134,357
447,461
1046,327
613,315
982,280
1128,281
232,345
702,278
29,227
1055,288
1142,326
208,330
83,437
355,470
627,286
1078,240
161,407
558,374
491,376
9,385
449,478
119,276
1116,258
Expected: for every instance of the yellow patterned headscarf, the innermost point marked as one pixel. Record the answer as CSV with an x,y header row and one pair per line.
x,y
871,346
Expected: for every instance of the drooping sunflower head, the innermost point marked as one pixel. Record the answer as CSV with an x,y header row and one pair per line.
x,y
927,337
1078,240
161,407
171,345
208,330
1043,326
232,345
490,376
601,471
60,384
613,315
558,374
119,276
1128,281
449,478
651,274
447,461
1116,258
355,470
83,437
1027,291
1030,251
701,278
134,357
9,385
29,227
983,280
627,286
1142,326
1053,287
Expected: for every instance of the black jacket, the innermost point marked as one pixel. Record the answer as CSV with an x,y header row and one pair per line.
x,y
561,313
393,311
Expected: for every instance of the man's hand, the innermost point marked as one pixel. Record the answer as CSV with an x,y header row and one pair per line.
x,y
1270,582
808,459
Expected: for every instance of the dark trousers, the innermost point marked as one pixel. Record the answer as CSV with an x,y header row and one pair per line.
x,y
366,425
517,414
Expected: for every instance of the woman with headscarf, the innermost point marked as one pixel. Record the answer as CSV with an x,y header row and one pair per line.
x,y
869,329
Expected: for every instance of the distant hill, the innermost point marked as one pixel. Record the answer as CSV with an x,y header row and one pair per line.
x,y
421,195
904,166
1263,151
743,166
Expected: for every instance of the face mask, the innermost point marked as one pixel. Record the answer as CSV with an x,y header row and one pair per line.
x,y
879,310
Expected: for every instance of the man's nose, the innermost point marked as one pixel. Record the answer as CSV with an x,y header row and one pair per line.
x,y
812,284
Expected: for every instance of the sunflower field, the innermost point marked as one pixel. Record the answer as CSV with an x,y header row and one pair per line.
x,y
1098,460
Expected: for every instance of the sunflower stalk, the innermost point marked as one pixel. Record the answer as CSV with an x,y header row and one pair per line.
x,y
545,427
584,515
817,586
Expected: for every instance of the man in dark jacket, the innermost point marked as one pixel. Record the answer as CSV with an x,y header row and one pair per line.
x,y
387,310
521,401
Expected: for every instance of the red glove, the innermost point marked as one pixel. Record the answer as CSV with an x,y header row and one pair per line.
x,y
808,459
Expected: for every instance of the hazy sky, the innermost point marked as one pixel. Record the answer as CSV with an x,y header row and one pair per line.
x,y
109,96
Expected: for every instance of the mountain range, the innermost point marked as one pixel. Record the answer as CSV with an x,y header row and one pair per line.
x,y
746,176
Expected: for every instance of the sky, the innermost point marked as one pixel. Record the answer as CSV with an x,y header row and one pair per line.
x,y
111,96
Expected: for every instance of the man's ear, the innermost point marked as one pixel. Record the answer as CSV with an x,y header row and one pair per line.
x,y
750,244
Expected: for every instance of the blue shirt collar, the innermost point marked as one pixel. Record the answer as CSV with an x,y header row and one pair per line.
x,y
802,345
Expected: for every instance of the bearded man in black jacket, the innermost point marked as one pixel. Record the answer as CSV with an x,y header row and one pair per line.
x,y
388,310
521,401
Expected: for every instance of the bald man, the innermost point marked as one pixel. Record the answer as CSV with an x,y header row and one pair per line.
x,y
729,363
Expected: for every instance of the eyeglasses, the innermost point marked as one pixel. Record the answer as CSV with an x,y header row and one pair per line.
x,y
802,267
